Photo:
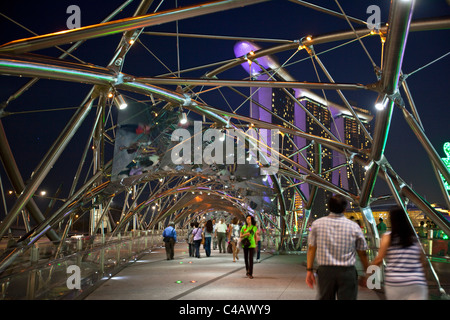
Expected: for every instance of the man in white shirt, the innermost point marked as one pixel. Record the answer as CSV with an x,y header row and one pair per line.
x,y
334,242
221,232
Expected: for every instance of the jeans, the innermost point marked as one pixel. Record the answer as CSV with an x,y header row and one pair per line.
x,y
197,247
207,246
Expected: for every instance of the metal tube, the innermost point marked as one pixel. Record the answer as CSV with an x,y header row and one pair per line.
x,y
444,191
42,170
400,15
62,56
423,205
382,124
347,104
216,37
94,75
328,11
15,178
254,83
432,153
399,19
8,257
411,103
371,225
109,28
61,213
54,69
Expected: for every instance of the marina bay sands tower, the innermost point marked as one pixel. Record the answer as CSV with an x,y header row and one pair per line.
x,y
285,104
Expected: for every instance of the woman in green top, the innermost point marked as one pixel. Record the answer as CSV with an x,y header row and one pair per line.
x,y
248,231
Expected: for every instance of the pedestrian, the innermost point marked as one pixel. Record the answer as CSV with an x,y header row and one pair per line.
x,y
334,242
221,232
197,232
248,232
190,240
234,235
214,237
208,234
258,244
381,227
170,237
404,275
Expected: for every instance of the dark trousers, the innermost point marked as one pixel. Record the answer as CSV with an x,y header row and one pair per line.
x,y
221,239
170,248
191,249
197,247
207,246
337,282
258,253
248,258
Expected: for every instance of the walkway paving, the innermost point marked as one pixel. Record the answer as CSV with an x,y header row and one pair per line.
x,y
276,277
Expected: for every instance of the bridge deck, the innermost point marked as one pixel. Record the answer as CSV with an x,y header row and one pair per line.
x,y
276,277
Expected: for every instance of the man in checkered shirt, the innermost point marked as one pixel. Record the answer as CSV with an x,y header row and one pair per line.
x,y
334,241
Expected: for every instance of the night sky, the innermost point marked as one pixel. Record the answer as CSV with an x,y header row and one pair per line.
x,y
31,133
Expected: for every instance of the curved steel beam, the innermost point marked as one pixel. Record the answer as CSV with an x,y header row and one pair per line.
x,y
113,27
47,163
67,71
399,20
253,83
15,177
399,25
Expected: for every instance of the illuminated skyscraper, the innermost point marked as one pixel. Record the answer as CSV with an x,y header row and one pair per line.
x,y
351,176
335,118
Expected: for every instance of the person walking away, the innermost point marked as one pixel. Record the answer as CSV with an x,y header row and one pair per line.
x,y
208,235
405,261
190,239
214,237
248,231
197,232
334,241
381,227
258,244
234,235
170,237
221,230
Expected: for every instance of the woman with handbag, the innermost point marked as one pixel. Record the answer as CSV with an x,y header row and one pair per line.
x,y
248,232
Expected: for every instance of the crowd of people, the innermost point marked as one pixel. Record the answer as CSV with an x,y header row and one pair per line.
x,y
228,238
334,242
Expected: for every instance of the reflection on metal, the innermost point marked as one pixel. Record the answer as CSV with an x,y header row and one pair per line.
x,y
144,200
113,27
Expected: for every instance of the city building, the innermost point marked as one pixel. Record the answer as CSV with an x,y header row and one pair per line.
x,y
268,103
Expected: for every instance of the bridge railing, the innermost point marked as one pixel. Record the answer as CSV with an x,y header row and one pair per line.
x,y
82,265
